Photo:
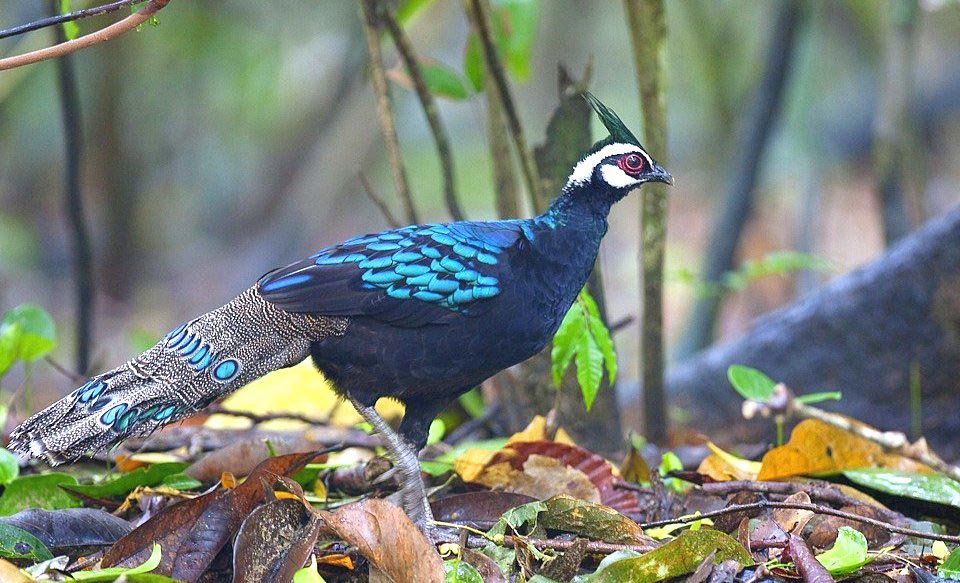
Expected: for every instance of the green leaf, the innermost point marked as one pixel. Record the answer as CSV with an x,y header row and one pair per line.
x,y
38,491
435,468
443,81
9,342
505,558
473,67
408,10
678,557
751,383
457,571
812,398
16,543
589,368
601,334
930,487
9,468
472,402
950,569
436,431
37,332
125,483
848,553
309,574
181,482
606,562
565,342
70,29
112,573
514,24
517,517
538,578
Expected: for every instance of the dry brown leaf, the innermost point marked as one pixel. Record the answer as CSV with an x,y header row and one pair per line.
x,y
274,541
792,520
388,539
541,477
505,465
818,448
473,461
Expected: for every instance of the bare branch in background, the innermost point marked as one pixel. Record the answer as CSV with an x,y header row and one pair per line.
x,y
506,192
648,34
481,18
752,140
412,64
70,46
371,29
896,146
73,140
68,17
378,201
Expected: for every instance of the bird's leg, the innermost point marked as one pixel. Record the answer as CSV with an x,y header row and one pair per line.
x,y
412,491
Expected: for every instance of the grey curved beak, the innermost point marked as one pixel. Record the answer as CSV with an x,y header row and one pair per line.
x,y
660,175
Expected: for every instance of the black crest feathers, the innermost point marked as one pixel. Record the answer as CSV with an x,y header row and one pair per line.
x,y
618,130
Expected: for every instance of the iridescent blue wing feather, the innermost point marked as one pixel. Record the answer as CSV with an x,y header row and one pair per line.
x,y
412,276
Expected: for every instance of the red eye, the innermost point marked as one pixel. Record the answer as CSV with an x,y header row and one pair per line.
x,y
631,164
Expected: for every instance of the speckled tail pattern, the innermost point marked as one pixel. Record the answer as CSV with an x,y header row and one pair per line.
x,y
195,364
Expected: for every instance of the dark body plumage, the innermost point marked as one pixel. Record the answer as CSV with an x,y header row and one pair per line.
x,y
421,313
426,352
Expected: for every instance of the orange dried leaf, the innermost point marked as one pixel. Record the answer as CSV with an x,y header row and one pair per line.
x,y
336,560
228,480
818,448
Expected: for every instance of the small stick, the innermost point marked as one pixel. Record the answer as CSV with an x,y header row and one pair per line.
x,y
68,17
765,504
388,126
530,173
429,105
381,204
104,34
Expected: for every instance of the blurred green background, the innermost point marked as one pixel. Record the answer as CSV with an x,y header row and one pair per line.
x,y
228,140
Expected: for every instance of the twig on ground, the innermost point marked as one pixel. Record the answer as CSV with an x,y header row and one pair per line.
x,y
104,34
598,547
767,504
429,105
821,493
381,204
531,175
388,127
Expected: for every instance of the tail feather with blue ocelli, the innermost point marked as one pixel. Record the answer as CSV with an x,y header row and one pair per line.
x,y
197,363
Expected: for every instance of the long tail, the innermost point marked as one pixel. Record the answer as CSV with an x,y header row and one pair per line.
x,y
195,364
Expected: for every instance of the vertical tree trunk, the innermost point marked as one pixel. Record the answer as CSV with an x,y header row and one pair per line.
x,y
648,33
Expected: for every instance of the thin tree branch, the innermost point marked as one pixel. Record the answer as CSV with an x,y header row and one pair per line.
x,y
378,200
371,30
429,105
817,509
752,138
596,547
648,35
531,176
896,147
68,17
104,34
73,141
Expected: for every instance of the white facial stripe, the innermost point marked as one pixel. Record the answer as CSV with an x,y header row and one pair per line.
x,y
616,177
584,169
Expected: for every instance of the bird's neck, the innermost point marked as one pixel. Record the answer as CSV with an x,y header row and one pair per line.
x,y
580,210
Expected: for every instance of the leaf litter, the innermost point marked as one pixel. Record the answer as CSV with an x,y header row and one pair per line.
x,y
534,507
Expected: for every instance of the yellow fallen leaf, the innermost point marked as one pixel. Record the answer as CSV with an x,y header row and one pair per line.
x,y
818,448
724,466
299,389
10,573
336,560
473,461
